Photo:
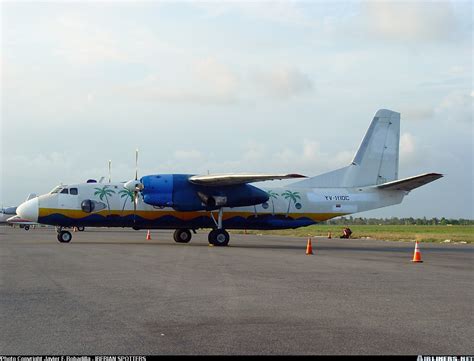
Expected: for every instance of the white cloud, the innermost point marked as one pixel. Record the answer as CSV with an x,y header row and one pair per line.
x,y
218,77
311,150
188,155
283,82
310,159
409,21
417,112
284,12
209,81
83,42
459,70
254,151
407,147
203,81
456,106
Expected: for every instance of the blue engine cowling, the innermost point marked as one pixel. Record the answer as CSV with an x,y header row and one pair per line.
x,y
174,190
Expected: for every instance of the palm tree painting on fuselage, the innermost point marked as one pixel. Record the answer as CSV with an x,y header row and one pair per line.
x,y
292,197
127,194
272,195
106,192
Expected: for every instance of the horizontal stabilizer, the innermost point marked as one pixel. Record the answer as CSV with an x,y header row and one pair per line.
x,y
410,183
232,179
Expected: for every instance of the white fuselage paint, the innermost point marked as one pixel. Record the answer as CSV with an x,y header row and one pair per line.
x,y
327,202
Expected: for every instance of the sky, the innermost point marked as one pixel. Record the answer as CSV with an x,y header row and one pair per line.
x,y
267,87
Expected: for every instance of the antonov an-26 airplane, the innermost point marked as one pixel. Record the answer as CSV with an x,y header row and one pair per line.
x,y
227,201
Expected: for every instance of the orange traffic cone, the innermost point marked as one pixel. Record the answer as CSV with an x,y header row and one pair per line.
x,y
309,248
148,237
329,235
417,254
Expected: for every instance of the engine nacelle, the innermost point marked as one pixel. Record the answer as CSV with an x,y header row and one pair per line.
x,y
174,190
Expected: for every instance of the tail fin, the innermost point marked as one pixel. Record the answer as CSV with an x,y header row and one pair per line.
x,y
376,160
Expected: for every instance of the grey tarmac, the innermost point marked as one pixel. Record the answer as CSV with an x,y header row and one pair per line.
x,y
110,291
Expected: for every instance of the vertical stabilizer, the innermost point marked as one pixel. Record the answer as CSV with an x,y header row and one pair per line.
x,y
377,156
376,160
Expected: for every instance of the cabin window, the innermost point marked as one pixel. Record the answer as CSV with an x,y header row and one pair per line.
x,y
65,191
73,191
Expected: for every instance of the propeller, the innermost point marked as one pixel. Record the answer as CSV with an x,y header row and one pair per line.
x,y
135,185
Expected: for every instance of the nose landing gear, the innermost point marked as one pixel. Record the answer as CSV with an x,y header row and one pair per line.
x,y
63,236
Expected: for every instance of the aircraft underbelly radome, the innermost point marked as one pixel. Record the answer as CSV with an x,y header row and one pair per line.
x,y
228,201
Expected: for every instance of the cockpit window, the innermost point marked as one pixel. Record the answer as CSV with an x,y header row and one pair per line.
x,y
73,191
65,191
56,189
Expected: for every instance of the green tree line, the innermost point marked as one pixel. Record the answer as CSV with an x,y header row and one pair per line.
x,y
400,221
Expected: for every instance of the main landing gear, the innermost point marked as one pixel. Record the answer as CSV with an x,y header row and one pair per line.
x,y
182,235
219,236
63,236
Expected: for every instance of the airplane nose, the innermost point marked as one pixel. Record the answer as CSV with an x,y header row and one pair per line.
x,y
29,210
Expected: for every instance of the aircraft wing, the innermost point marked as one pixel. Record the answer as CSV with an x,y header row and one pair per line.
x,y
410,183
232,179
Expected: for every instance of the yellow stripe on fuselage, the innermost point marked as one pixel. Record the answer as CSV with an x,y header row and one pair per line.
x,y
185,216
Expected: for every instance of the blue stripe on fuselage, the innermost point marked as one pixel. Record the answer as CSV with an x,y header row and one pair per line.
x,y
266,221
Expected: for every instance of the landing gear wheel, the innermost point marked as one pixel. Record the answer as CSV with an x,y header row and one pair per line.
x,y
211,236
27,227
64,236
219,237
80,229
182,235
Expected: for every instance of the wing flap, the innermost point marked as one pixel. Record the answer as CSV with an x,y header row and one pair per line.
x,y
232,179
410,183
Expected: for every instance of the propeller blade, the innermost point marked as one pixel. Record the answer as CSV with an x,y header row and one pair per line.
x,y
136,164
135,186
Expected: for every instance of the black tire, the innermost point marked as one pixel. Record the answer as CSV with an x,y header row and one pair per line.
x,y
64,237
182,235
80,229
219,237
27,227
211,236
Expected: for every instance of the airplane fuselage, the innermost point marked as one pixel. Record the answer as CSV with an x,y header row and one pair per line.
x,y
286,207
